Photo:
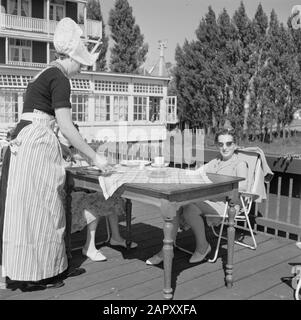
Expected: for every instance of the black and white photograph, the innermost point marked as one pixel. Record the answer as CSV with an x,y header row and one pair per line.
x,y
150,154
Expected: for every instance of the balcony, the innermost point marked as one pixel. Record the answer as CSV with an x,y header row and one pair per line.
x,y
27,64
14,23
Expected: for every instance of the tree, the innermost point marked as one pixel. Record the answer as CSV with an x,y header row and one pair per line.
x,y
129,51
94,13
189,82
226,59
241,72
257,62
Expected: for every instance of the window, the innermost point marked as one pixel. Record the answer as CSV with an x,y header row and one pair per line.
x,y
79,107
102,108
154,108
141,87
8,106
119,86
156,88
111,86
52,52
80,84
57,10
19,50
171,103
140,104
101,85
120,108
19,7
10,80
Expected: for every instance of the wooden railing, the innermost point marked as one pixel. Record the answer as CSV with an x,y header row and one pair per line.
x,y
9,21
14,22
27,64
278,215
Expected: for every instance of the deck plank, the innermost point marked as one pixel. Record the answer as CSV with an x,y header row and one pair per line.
x,y
257,273
251,286
211,278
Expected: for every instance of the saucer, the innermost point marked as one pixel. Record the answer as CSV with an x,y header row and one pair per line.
x,y
134,163
156,165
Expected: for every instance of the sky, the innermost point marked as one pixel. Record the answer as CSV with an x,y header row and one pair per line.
x,y
176,20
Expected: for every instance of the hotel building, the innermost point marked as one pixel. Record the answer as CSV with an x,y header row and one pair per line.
x,y
105,105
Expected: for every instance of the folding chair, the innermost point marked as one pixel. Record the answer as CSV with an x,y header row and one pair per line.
x,y
255,182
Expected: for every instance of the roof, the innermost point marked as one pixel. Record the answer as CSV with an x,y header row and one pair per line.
x,y
155,70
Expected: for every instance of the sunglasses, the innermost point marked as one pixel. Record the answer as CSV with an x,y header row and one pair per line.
x,y
228,144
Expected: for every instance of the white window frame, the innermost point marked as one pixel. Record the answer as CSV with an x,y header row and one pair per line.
x,y
158,114
141,108
19,8
79,102
102,107
171,108
52,52
120,108
55,6
20,49
9,107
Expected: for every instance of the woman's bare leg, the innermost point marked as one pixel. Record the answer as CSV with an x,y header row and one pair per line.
x,y
90,240
114,225
196,221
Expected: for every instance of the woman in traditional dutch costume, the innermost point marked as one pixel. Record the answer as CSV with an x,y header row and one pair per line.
x,y
32,217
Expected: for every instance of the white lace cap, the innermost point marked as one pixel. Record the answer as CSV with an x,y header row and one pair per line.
x,y
295,9
67,40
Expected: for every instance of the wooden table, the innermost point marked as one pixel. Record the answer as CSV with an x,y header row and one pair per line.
x,y
168,198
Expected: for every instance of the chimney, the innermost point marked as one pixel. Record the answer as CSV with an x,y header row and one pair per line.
x,y
162,46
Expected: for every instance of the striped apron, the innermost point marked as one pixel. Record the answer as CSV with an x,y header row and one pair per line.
x,y
34,221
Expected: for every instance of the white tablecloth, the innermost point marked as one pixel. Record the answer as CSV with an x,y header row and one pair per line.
x,y
124,175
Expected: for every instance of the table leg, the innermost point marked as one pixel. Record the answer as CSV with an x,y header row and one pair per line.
x,y
128,215
68,213
168,257
231,236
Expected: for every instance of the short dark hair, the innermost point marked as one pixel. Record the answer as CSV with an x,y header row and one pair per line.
x,y
222,132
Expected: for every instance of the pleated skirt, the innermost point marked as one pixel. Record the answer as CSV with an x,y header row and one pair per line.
x,y
33,245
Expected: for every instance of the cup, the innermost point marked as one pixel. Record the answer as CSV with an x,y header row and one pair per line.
x,y
159,161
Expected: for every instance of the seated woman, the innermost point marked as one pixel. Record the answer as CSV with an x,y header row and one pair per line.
x,y
226,163
87,208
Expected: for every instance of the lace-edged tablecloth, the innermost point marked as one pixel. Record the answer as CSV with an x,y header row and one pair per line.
x,y
111,183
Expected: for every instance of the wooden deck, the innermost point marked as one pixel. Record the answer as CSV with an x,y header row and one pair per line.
x,y
263,274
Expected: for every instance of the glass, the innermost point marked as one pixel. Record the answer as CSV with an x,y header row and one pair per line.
x,y
228,144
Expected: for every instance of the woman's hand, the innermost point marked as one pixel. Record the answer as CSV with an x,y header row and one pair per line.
x,y
101,162
67,153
